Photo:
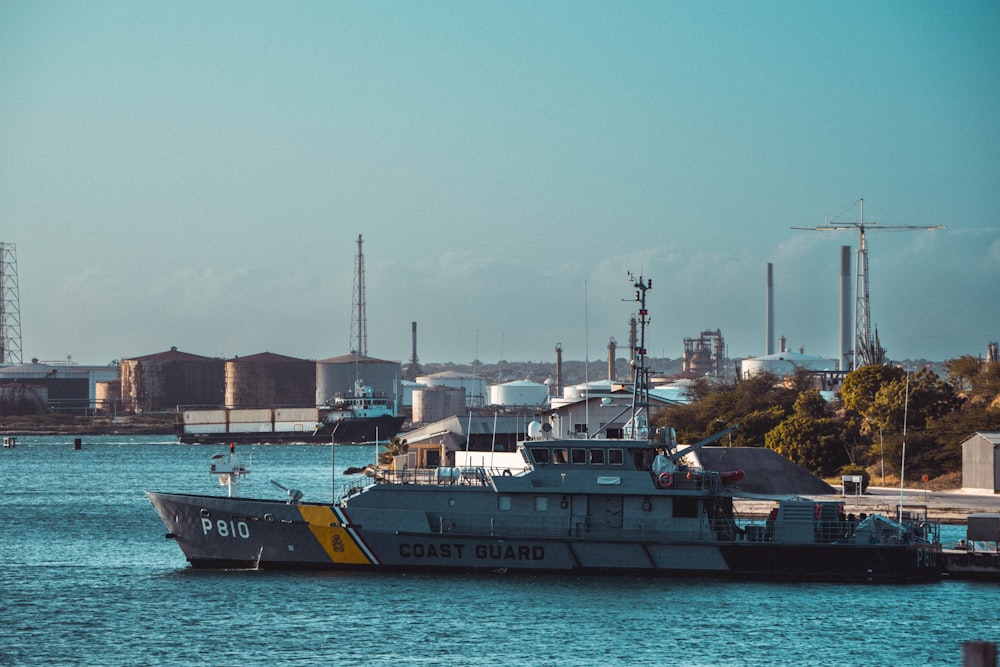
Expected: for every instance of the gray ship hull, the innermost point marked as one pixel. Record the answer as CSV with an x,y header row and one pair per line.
x,y
215,532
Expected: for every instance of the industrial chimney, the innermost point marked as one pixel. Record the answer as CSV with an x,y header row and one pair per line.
x,y
559,374
845,308
612,351
413,370
769,316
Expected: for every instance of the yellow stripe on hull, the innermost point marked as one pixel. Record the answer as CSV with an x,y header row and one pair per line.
x,y
334,538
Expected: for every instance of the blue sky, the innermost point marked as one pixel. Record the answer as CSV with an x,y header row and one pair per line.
x,y
195,174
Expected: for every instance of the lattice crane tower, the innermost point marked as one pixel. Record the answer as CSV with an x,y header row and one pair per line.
x,y
10,306
865,348
359,320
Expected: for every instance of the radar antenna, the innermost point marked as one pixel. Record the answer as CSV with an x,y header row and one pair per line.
x,y
867,349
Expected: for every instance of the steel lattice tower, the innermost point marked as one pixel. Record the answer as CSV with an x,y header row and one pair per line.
x,y
866,348
359,320
10,306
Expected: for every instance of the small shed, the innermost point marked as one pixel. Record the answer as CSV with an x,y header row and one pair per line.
x,y
980,462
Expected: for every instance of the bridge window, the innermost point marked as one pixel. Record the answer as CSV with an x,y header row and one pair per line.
x,y
578,455
540,454
560,455
597,456
616,457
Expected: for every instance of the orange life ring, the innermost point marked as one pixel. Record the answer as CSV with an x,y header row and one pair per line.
x,y
665,480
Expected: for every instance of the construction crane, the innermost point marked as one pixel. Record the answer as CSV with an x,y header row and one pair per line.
x,y
866,349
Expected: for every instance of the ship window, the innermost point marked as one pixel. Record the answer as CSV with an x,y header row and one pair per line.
x,y
597,456
503,503
578,455
560,455
685,508
616,457
579,428
541,503
540,454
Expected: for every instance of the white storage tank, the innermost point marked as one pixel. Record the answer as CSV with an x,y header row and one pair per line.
x,y
519,393
339,374
784,364
431,404
474,386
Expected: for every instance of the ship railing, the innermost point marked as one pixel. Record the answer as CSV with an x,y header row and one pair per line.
x,y
443,475
355,486
846,531
695,479
582,528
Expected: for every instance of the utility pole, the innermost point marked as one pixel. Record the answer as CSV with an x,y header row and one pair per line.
x,y
867,349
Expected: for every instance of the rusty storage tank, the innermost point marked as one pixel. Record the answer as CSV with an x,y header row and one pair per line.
x,y
165,380
338,375
431,404
108,396
270,380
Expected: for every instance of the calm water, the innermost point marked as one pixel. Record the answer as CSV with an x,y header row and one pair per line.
x,y
88,578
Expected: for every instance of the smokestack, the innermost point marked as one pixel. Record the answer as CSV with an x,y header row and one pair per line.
x,y
769,317
413,370
413,359
559,375
612,349
845,308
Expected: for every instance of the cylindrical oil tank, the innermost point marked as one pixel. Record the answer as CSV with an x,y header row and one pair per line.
x,y
431,404
784,364
166,380
519,393
19,398
338,375
270,380
474,386
108,396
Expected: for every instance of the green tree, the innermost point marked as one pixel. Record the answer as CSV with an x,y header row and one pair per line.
x,y
862,385
811,437
962,370
914,399
812,443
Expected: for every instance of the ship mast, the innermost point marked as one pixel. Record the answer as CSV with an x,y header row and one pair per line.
x,y
640,376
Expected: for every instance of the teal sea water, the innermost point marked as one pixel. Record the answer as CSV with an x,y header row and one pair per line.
x,y
87,578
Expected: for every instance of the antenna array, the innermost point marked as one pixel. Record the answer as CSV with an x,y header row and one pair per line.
x,y
867,350
10,306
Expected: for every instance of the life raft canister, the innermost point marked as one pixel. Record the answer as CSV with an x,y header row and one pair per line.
x,y
665,480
